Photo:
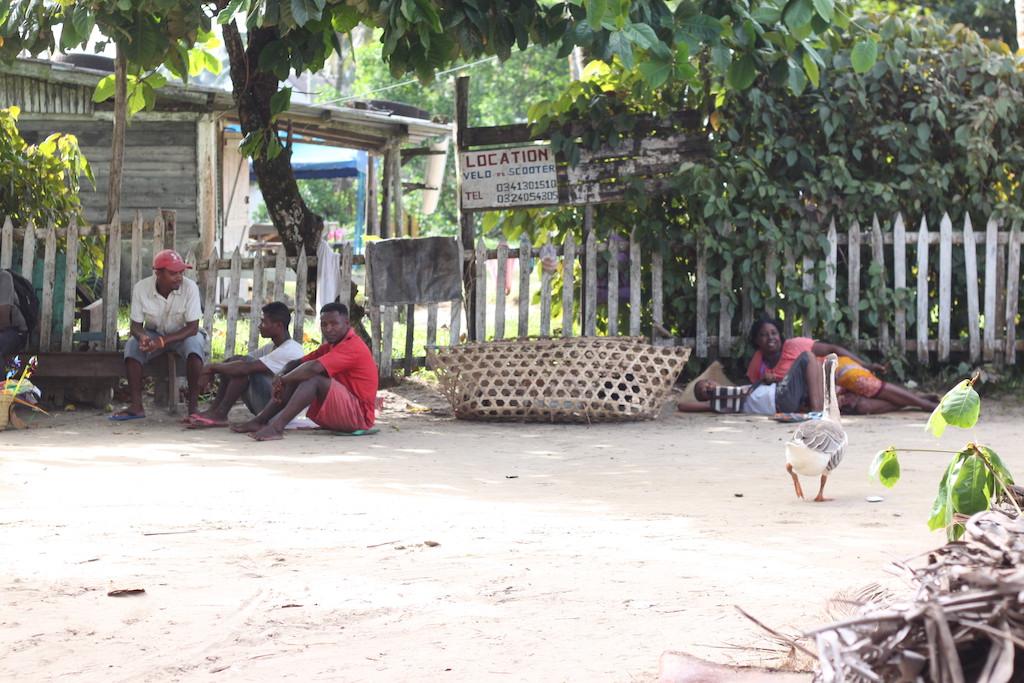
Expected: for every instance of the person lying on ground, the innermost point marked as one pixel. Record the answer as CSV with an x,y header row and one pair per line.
x,y
249,377
165,313
801,390
336,384
861,392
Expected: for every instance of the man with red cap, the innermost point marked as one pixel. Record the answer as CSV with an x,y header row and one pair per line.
x,y
165,313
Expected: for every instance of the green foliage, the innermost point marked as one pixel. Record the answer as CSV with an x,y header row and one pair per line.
x,y
975,479
39,183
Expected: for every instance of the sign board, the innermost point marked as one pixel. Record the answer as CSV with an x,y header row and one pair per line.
x,y
508,178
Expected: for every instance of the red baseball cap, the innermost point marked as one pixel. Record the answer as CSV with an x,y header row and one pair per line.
x,y
171,260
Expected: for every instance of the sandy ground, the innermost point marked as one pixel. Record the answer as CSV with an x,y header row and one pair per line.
x,y
437,550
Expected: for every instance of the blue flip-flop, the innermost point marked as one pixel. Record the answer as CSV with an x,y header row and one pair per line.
x,y
125,415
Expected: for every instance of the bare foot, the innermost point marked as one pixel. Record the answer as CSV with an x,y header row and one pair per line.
x,y
268,433
250,426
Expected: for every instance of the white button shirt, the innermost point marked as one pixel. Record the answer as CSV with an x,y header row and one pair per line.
x,y
161,315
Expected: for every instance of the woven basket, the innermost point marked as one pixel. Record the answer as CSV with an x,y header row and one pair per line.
x,y
542,379
6,406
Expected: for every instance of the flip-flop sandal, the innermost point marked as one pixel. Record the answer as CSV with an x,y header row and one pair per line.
x,y
125,415
188,418
203,423
358,432
795,417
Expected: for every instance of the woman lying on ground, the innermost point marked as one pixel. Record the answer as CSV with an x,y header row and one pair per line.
x,y
864,393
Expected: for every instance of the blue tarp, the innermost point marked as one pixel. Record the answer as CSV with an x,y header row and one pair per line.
x,y
318,161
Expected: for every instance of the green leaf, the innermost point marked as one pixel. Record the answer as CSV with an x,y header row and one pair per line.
x,y
940,514
973,487
864,55
279,102
886,467
766,14
961,405
997,465
825,9
104,89
797,13
656,73
742,73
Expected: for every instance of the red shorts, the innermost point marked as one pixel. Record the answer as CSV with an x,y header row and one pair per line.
x,y
340,410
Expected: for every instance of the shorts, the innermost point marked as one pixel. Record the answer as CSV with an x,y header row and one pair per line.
x,y
194,345
857,379
340,410
257,394
791,394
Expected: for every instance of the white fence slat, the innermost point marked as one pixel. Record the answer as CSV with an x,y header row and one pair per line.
x,y
49,277
945,286
810,324
788,306
112,283
209,299
568,283
899,280
280,274
301,275
390,313
28,252
345,274
256,302
853,281
500,291
481,291
234,281
701,344
878,255
455,326
589,296
135,267
545,292
771,281
432,324
922,292
525,270
7,243
613,287
831,263
634,285
70,290
971,281
160,241
1012,293
991,283
657,296
726,310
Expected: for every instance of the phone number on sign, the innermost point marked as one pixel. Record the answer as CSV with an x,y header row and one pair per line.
x,y
525,185
521,197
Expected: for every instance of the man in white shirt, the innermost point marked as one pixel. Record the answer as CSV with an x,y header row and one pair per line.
x,y
250,377
802,387
165,314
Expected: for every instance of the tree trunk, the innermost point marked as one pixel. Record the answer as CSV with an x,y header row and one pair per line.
x,y
252,89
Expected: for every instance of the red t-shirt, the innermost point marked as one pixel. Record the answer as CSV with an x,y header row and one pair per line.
x,y
351,363
791,350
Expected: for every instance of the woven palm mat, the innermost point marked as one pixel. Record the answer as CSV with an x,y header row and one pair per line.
x,y
543,379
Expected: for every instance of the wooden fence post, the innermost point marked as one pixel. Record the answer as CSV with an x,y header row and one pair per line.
x,y
971,277
899,280
945,286
991,284
568,283
1012,293
922,292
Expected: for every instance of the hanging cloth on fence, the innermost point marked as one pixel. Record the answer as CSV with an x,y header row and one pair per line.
x,y
328,281
421,270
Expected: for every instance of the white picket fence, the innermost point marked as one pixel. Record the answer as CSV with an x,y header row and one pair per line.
x,y
991,260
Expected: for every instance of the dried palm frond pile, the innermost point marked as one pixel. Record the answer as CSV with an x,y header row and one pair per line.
x,y
962,624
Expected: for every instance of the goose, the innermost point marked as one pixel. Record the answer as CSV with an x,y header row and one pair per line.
x,y
817,446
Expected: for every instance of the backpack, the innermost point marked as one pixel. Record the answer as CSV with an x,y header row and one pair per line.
x,y
28,302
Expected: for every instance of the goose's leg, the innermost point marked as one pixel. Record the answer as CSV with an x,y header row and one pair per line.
x,y
821,498
796,482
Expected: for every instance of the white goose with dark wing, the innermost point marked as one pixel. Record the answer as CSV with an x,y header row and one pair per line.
x,y
817,446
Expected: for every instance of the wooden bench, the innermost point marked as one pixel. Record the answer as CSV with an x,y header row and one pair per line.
x,y
92,376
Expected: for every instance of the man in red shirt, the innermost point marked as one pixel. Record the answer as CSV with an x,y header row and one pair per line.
x,y
337,384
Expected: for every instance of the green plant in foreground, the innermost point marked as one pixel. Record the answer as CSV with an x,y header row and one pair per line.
x,y
975,478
